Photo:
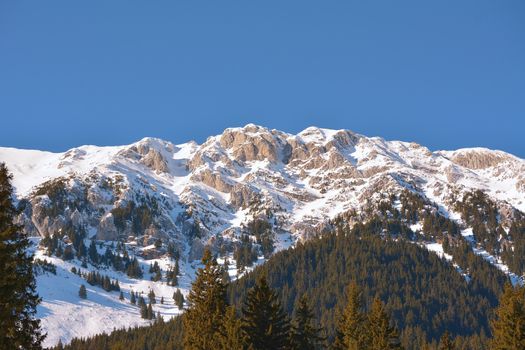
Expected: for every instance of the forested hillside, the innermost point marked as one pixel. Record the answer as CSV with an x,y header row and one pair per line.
x,y
424,294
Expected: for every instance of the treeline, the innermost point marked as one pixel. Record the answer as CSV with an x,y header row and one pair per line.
x,y
118,257
97,279
508,242
262,323
258,239
119,260
423,295
430,302
160,336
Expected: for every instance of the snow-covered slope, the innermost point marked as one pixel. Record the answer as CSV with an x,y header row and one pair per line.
x,y
313,175
193,195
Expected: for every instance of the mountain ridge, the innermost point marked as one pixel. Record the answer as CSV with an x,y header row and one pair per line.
x,y
274,187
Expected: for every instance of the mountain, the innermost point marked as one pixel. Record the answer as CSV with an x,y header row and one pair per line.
x,y
275,188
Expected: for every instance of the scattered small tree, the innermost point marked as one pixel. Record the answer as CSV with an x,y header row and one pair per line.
x,y
82,292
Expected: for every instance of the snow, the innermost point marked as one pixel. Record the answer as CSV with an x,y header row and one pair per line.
x,y
515,279
438,249
317,135
31,168
297,193
65,315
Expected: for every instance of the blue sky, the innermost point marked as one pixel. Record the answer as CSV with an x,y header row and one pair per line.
x,y
446,74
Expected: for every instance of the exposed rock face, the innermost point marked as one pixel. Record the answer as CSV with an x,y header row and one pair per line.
x,y
520,185
206,194
253,143
107,230
453,174
154,160
146,154
241,195
478,159
213,179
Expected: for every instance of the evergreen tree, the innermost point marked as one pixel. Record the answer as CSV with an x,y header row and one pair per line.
x,y
508,327
93,253
18,298
150,314
445,343
140,301
132,298
151,296
143,310
133,269
82,292
121,296
304,334
383,335
158,276
178,298
264,323
232,338
352,332
203,320
177,269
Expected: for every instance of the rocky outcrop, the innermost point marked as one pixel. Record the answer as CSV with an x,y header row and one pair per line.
x,y
144,153
453,174
241,195
154,160
477,159
204,195
214,180
107,230
255,143
520,185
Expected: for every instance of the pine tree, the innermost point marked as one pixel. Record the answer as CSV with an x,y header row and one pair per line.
x,y
121,296
93,253
352,333
445,343
305,335
143,310
18,298
82,292
383,335
150,314
232,338
151,296
140,301
264,323
132,298
508,327
203,320
178,298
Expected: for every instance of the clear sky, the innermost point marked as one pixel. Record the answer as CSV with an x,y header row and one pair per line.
x,y
446,74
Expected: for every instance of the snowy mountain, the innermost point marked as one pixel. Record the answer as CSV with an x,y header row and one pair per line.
x,y
189,196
